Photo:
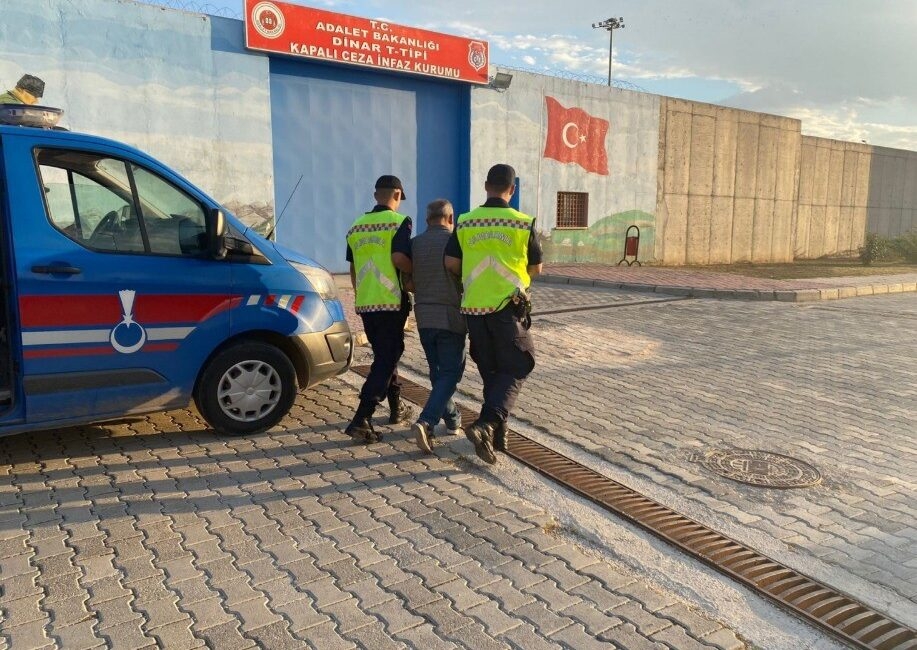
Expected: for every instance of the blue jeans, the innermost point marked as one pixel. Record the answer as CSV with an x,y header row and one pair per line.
x,y
445,352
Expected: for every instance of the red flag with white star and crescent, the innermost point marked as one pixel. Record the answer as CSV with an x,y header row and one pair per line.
x,y
575,136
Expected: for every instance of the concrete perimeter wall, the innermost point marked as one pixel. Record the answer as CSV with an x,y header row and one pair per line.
x,y
892,192
834,188
727,185
737,186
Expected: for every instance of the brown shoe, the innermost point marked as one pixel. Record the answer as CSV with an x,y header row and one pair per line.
x,y
423,434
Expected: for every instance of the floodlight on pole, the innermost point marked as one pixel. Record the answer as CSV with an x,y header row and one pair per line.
x,y
611,25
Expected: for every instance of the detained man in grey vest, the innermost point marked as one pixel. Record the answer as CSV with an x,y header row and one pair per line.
x,y
437,299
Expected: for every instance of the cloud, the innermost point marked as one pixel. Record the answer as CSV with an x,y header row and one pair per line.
x,y
847,65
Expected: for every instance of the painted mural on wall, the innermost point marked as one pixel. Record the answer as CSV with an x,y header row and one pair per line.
x,y
151,78
586,156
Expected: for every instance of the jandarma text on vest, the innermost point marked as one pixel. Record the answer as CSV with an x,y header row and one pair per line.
x,y
373,239
503,237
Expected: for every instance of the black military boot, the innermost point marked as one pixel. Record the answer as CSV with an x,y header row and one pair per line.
x,y
361,427
481,435
399,411
362,432
500,436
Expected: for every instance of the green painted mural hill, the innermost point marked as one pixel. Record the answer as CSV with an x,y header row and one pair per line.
x,y
603,241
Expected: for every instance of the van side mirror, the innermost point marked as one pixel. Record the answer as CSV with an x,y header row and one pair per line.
x,y
216,234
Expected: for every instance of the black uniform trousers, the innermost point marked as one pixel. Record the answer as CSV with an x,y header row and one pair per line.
x,y
385,332
505,355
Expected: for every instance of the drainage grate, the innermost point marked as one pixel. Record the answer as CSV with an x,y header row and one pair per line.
x,y
840,615
761,468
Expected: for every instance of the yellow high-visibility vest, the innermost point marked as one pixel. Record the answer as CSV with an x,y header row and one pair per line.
x,y
494,244
370,240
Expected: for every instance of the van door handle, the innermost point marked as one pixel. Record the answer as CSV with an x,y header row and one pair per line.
x,y
53,269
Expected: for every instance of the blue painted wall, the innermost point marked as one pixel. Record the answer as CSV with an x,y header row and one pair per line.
x,y
243,126
154,79
336,129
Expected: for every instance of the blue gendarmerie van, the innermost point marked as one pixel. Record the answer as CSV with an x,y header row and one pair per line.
x,y
128,290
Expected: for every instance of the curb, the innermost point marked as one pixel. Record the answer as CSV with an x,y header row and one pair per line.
x,y
781,295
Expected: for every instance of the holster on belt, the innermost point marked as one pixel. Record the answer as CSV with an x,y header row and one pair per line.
x,y
522,307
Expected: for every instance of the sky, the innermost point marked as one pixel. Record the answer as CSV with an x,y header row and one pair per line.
x,y
846,68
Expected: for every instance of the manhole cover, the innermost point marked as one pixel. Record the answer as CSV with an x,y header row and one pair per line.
x,y
762,468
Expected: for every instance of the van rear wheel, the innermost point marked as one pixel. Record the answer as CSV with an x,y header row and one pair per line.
x,y
247,388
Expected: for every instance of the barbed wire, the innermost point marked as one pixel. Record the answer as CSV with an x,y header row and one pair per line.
x,y
193,7
196,6
574,76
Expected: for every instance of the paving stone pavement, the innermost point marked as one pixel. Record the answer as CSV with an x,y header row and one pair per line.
x,y
652,388
154,532
701,283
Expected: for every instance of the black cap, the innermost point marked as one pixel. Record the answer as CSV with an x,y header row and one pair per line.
x,y
501,175
389,182
32,85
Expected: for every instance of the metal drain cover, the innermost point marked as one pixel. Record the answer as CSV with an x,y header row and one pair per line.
x,y
762,468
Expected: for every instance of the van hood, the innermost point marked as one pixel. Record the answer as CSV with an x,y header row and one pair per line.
x,y
292,256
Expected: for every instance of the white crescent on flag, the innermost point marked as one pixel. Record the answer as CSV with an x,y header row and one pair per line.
x,y
567,142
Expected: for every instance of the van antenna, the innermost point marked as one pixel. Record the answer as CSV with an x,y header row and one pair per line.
x,y
280,216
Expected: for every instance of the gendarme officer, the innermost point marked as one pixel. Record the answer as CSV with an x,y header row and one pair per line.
x,y
496,253
379,252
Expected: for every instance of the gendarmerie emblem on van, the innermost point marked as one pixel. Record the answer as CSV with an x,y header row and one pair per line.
x,y
127,336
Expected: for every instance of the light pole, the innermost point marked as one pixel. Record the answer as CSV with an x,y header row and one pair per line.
x,y
611,25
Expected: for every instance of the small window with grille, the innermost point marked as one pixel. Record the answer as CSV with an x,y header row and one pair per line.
x,y
572,210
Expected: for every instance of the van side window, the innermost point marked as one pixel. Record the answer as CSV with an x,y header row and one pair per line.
x,y
109,205
174,221
89,200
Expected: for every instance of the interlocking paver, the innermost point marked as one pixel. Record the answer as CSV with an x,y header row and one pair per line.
x,y
144,534
812,381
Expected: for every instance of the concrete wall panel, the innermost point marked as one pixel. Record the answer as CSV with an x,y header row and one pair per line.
x,y
703,130
724,161
762,230
766,176
782,242
910,175
674,231
788,153
835,175
742,223
803,223
832,225
698,229
848,182
739,164
845,236
721,230
820,181
807,171
817,232
678,153
746,159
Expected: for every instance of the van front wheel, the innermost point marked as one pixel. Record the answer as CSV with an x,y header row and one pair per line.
x,y
246,388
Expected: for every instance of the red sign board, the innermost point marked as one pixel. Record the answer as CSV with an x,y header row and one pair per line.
x,y
295,30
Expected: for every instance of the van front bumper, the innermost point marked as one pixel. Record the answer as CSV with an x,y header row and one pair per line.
x,y
326,353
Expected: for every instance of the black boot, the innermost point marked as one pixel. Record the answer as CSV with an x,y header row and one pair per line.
x,y
399,411
481,435
361,427
500,436
362,432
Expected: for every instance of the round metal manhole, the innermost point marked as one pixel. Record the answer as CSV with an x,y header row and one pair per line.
x,y
761,468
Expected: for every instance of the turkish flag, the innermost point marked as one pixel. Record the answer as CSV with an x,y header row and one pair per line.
x,y
575,136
